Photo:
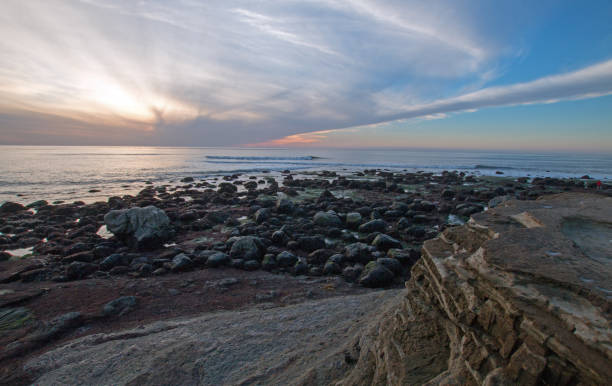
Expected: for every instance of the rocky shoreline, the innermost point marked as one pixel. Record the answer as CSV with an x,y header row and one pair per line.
x,y
317,234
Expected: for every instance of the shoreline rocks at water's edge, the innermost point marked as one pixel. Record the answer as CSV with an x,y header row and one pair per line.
x,y
387,211
364,231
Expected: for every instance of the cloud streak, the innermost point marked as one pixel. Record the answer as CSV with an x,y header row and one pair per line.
x,y
234,72
590,82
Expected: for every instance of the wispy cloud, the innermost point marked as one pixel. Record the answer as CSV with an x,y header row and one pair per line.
x,y
590,82
228,72
268,25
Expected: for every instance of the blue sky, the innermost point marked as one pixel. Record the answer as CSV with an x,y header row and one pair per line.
x,y
534,75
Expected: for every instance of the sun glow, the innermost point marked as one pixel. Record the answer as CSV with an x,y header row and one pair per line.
x,y
138,104
118,100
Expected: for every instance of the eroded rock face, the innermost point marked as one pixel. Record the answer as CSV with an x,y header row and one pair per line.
x,y
510,297
146,227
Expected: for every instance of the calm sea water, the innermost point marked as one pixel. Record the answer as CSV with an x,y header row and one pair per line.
x,y
29,173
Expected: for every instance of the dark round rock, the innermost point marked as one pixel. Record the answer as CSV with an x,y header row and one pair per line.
x,y
286,259
300,268
181,262
331,268
376,225
392,265
385,242
279,238
79,270
217,259
11,207
376,275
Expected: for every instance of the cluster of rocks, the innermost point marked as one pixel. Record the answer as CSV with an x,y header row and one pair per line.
x,y
518,295
372,235
374,263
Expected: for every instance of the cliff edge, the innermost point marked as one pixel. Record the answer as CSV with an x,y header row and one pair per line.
x,y
519,295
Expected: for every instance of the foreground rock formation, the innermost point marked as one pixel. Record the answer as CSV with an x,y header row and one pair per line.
x,y
519,295
283,345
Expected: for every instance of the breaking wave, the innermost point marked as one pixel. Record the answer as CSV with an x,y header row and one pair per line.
x,y
250,158
493,167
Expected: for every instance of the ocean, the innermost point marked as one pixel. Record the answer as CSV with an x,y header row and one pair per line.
x,y
91,173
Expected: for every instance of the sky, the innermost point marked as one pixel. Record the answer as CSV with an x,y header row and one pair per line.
x,y
531,75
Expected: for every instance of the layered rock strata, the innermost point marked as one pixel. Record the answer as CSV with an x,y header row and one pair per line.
x,y
519,295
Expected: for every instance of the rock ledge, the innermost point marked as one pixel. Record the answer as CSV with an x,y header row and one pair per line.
x,y
519,295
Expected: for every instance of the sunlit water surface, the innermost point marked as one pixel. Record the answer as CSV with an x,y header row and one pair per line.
x,y
29,173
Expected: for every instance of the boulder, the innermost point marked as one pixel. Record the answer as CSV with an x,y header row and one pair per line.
x,y
392,265
331,268
279,238
247,248
311,243
319,256
327,219
403,223
262,215
300,268
11,207
385,242
227,188
181,262
147,227
286,259
376,275
218,259
284,205
358,252
79,270
376,225
338,258
353,220
37,204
